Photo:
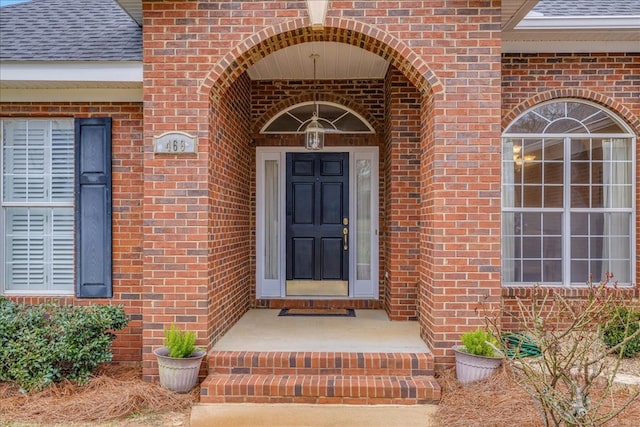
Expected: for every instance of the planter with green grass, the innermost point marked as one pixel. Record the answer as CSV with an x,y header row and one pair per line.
x,y
478,357
179,360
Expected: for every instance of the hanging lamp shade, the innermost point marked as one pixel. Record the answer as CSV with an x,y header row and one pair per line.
x,y
314,134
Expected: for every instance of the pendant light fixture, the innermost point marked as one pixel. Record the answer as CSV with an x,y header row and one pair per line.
x,y
314,132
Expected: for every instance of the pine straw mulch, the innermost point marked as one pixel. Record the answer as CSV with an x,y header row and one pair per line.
x,y
499,402
114,393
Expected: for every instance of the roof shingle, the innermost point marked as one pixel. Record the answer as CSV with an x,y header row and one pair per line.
x,y
68,30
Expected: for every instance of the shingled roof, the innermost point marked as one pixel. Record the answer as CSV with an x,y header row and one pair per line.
x,y
593,8
68,30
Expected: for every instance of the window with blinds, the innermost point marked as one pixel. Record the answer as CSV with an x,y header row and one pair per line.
x,y
37,219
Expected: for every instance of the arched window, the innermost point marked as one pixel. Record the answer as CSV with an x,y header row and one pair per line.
x,y
567,196
334,118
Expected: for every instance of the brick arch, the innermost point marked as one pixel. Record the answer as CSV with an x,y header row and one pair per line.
x,y
585,94
327,97
290,33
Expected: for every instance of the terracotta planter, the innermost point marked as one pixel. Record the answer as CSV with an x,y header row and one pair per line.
x,y
178,374
471,368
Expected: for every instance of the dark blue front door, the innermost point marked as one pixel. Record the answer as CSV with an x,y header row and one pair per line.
x,y
317,211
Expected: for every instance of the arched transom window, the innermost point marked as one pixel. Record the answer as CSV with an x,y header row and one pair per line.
x,y
567,196
334,118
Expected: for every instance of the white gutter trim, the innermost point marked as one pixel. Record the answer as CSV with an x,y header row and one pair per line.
x,y
574,22
583,46
107,71
71,95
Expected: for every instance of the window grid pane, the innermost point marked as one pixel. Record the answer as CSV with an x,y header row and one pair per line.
x,y
600,174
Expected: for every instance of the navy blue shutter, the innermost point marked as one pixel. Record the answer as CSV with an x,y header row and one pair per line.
x,y
93,208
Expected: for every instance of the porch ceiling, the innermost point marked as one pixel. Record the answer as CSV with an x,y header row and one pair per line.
x,y
335,61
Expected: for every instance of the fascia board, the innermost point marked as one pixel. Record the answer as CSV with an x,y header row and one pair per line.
x,y
71,71
71,95
579,22
582,46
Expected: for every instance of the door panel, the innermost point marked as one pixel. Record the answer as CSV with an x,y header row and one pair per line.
x,y
303,255
317,202
302,200
331,270
331,203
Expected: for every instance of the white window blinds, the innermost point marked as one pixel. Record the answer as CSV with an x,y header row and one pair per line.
x,y
37,205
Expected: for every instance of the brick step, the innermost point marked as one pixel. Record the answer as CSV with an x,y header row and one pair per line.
x,y
320,363
318,389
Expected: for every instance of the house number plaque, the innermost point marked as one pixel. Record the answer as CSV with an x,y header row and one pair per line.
x,y
174,143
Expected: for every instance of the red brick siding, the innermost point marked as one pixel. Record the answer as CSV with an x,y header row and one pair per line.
x,y
401,225
230,165
427,284
127,209
609,79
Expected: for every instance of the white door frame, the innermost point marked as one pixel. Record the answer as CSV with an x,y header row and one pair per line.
x,y
359,287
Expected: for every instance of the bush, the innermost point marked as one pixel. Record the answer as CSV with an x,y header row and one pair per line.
x,y
45,343
179,343
477,342
622,325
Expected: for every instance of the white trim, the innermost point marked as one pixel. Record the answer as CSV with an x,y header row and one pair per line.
x,y
38,293
563,135
317,11
71,95
364,288
579,22
535,44
268,289
94,71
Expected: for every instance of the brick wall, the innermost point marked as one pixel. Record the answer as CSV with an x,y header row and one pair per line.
x,y
230,164
448,50
402,223
609,79
127,209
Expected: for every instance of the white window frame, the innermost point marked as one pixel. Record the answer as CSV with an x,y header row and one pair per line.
x,y
276,288
566,210
45,205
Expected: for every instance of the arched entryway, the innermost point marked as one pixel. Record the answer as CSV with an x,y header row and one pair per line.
x,y
438,150
396,106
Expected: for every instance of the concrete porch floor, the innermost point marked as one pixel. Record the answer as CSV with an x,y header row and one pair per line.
x,y
369,331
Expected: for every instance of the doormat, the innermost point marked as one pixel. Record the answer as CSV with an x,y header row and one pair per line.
x,y
333,312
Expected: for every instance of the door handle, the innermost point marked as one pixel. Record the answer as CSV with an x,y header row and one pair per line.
x,y
345,238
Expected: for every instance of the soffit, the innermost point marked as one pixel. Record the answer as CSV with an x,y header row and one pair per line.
x,y
133,8
514,10
566,26
336,61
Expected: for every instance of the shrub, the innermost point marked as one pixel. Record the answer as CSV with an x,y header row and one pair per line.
x,y
572,380
45,343
620,327
479,342
179,343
